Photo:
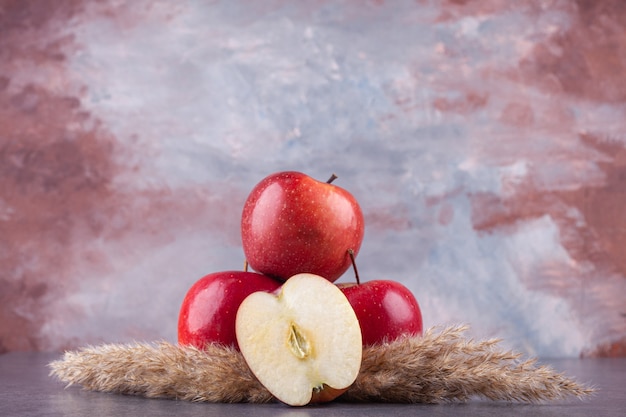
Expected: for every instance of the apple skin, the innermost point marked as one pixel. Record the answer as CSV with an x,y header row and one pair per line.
x,y
209,309
292,223
386,310
326,394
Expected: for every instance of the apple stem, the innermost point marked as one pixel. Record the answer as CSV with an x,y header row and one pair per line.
x,y
331,179
356,271
245,265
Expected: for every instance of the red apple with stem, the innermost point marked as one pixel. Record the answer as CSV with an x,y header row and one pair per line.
x,y
292,223
386,310
209,309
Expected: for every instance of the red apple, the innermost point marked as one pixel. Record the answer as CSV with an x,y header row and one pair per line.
x,y
209,309
386,310
292,223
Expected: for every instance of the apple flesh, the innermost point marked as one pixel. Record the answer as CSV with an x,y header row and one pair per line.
x,y
292,223
209,309
386,310
303,343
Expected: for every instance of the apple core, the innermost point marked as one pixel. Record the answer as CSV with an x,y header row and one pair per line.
x,y
298,343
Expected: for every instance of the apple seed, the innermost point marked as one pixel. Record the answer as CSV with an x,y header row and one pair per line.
x,y
298,344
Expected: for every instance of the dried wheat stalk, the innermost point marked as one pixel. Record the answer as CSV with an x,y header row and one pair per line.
x,y
440,366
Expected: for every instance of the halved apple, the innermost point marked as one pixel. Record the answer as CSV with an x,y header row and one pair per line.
x,y
303,343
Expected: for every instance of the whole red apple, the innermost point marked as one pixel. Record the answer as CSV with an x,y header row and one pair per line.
x,y
292,223
209,309
386,310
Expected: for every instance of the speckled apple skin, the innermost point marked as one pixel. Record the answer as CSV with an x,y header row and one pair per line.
x,y
386,310
292,223
209,309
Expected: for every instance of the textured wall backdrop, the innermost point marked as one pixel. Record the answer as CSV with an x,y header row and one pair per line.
x,y
485,141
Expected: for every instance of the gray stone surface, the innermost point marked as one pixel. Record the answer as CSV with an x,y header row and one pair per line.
x,y
26,389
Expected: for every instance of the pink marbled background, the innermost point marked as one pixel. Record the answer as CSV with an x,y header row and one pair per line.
x,y
485,140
